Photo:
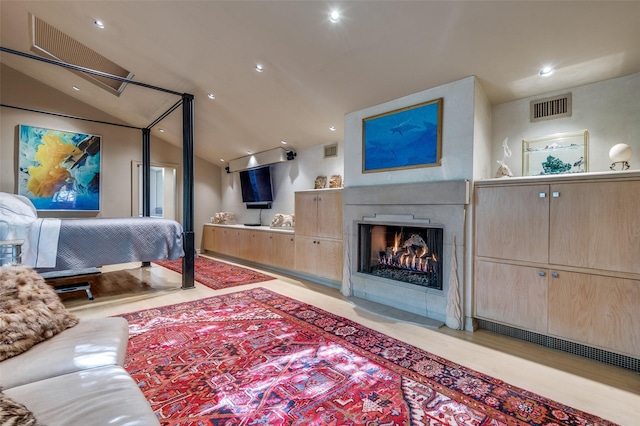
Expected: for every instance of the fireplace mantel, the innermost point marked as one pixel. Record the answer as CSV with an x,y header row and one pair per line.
x,y
433,193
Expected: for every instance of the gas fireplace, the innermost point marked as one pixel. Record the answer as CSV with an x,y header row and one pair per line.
x,y
402,253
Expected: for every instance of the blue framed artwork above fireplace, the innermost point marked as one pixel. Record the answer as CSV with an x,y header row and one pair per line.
x,y
405,138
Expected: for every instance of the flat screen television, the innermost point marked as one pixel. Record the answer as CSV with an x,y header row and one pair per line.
x,y
256,187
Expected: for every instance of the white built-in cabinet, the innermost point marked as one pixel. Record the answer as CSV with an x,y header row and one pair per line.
x,y
560,256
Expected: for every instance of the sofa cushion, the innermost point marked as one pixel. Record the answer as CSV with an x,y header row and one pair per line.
x,y
14,413
30,311
99,396
92,343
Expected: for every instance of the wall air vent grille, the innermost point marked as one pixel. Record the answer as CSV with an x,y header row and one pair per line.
x,y
52,43
331,150
563,345
552,107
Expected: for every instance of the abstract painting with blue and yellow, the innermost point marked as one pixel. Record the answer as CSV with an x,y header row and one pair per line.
x,y
403,139
59,170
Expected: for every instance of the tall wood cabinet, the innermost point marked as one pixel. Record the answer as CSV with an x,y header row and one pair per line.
x,y
319,233
560,256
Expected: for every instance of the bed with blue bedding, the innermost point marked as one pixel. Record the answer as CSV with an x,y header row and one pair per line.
x,y
88,243
52,244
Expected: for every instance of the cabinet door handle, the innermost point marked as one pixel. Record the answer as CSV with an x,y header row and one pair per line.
x,y
555,274
541,273
543,195
556,194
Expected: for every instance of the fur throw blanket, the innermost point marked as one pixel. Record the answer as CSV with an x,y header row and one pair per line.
x,y
13,413
30,311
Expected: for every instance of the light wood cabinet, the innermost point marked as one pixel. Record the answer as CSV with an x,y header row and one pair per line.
x,y
266,247
595,310
511,294
318,244
560,256
262,245
320,257
319,213
226,242
244,240
283,251
208,238
596,225
513,222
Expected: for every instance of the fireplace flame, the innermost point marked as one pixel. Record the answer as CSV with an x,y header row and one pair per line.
x,y
408,256
396,243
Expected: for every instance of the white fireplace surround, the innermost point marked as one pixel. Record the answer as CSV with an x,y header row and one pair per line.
x,y
441,203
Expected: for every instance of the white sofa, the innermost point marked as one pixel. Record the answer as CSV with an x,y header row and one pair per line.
x,y
76,378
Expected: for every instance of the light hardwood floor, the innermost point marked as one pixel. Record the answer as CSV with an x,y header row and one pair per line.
x,y
609,392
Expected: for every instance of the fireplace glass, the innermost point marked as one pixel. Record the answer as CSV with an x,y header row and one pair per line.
x,y
403,253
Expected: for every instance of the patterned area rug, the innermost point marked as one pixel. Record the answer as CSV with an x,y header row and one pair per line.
x,y
257,357
217,275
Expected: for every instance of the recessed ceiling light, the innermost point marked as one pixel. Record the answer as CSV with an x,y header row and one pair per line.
x,y
332,128
75,88
283,142
334,16
546,72
222,159
98,24
161,130
259,68
211,96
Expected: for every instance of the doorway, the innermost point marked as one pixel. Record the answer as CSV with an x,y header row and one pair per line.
x,y
163,190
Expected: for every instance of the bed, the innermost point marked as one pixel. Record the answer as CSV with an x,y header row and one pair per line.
x,y
88,243
52,244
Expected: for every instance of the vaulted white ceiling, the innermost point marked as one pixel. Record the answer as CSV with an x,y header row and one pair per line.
x,y
316,71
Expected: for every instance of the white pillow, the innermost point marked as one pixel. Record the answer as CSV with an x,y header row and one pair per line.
x,y
17,213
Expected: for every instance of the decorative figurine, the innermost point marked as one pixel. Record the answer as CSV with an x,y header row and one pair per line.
x,y
620,153
504,170
321,182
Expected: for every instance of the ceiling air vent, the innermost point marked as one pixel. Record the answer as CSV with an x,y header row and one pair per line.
x,y
331,150
553,107
52,43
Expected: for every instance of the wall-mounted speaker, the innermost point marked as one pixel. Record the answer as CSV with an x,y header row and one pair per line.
x,y
227,169
291,155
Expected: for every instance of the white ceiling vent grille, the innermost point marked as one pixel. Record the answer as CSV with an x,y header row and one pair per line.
x,y
552,107
50,42
331,150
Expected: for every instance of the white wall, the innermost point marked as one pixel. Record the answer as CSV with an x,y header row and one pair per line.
x,y
609,110
457,137
296,175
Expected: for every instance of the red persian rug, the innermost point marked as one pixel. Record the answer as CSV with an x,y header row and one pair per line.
x,y
257,357
217,275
